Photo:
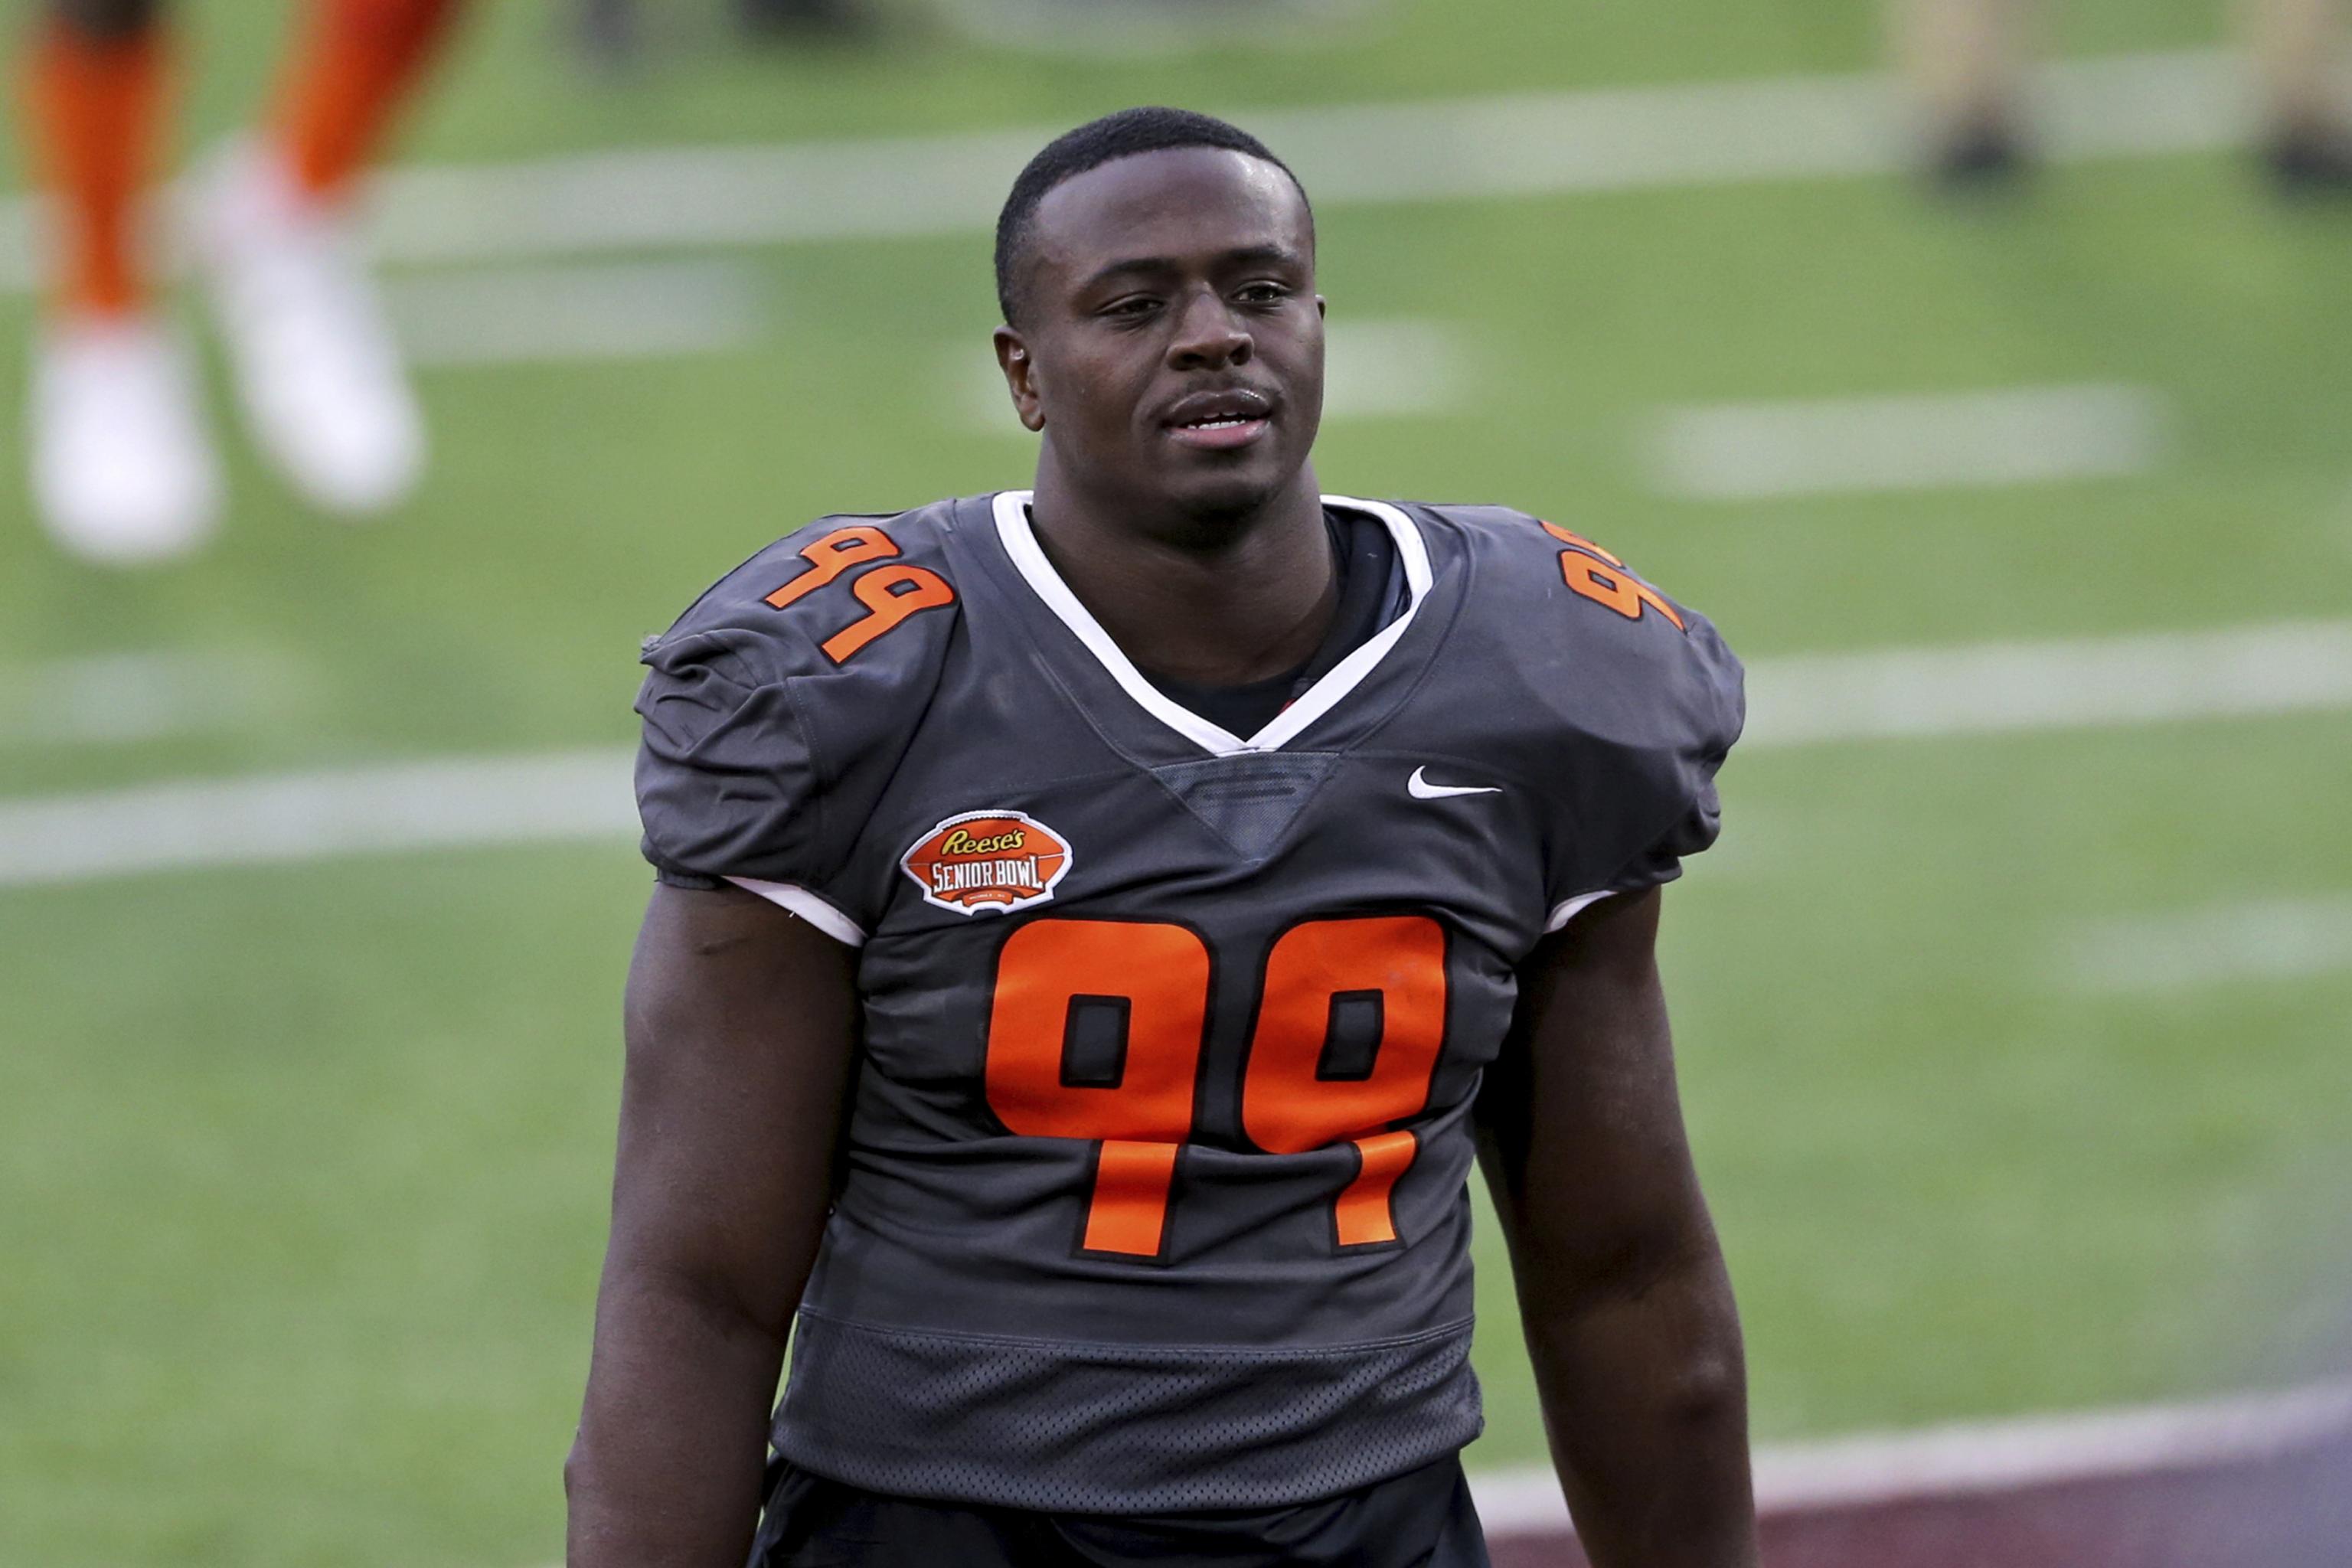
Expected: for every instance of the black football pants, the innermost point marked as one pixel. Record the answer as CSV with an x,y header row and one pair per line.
x,y
1423,1519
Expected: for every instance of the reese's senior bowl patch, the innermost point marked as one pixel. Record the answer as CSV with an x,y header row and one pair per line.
x,y
985,861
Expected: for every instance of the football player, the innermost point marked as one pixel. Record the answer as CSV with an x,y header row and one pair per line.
x,y
121,470
1098,929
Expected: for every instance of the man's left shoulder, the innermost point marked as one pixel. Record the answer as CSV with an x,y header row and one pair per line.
x,y
1542,592
1578,672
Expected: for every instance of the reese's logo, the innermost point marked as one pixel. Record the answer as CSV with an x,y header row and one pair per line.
x,y
988,860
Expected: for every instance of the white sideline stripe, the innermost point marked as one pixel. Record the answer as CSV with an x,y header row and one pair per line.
x,y
602,310
2026,435
277,818
1146,30
1982,1457
2269,939
123,698
2080,683
1373,369
1517,144
585,795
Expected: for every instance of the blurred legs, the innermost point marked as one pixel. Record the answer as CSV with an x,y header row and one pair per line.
x,y
2295,55
356,64
121,470
2296,47
318,373
93,95
1964,60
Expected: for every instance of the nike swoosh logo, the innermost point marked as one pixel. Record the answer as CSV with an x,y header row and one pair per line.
x,y
1420,788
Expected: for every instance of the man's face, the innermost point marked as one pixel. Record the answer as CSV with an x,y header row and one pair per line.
x,y
1171,342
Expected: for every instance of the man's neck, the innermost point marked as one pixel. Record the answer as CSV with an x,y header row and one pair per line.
x,y
1215,602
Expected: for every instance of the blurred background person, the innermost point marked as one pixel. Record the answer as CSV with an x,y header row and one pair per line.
x,y
1966,61
615,32
121,468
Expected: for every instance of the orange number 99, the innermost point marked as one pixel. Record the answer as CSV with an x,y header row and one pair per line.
x,y
1154,980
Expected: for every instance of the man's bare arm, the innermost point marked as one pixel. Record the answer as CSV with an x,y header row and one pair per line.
x,y
741,1028
1621,1287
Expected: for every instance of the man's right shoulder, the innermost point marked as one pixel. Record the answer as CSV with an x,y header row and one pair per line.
x,y
776,708
850,588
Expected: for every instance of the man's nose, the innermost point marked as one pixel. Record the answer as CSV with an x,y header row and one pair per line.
x,y
1208,334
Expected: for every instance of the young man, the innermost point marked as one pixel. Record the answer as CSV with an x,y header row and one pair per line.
x,y
1086,918
121,472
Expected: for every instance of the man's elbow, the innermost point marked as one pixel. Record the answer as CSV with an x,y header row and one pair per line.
x,y
1666,1300
1707,1388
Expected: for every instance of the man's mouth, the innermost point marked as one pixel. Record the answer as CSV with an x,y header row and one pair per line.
x,y
1221,421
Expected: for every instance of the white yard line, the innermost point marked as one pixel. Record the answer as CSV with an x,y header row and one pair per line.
x,y
1374,369
551,797
1391,369
1983,1456
585,795
2077,683
2010,435
1502,145
597,310
1148,29
2272,939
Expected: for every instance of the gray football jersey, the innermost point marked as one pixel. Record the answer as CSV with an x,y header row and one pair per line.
x,y
1155,1174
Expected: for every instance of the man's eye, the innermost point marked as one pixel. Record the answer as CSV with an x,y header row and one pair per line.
x,y
1132,307
1263,293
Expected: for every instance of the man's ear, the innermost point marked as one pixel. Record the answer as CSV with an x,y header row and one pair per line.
x,y
1020,377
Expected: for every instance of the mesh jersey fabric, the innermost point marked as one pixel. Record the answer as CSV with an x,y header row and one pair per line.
x,y
1420,1519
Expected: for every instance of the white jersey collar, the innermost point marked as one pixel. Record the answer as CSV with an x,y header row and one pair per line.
x,y
1012,509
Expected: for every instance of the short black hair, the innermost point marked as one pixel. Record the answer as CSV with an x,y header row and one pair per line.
x,y
1099,142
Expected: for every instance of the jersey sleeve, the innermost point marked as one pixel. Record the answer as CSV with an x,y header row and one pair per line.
x,y
1625,703
760,756
1659,706
1673,809
726,773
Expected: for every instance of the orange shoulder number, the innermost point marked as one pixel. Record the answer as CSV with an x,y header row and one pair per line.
x,y
1603,578
891,593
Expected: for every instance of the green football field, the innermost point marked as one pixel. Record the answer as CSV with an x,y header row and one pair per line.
x,y
302,1166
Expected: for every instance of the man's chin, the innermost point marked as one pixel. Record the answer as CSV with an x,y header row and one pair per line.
x,y
1207,495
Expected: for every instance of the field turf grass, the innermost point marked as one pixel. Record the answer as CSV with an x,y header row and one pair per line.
x,y
302,1170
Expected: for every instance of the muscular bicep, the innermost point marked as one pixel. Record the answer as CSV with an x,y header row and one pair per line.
x,y
742,1034
1580,1124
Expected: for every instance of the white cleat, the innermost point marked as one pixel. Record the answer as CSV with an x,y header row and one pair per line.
x,y
317,370
122,472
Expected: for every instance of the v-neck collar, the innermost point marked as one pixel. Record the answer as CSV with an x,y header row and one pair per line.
x,y
1019,540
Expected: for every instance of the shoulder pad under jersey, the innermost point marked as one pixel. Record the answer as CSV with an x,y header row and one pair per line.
x,y
777,708
1634,697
